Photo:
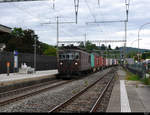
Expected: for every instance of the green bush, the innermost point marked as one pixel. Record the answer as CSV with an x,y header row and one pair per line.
x,y
146,81
131,76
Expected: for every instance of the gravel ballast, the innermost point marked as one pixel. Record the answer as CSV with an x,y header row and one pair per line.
x,y
45,101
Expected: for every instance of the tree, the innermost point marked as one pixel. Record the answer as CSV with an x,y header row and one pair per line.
x,y
131,54
81,45
24,40
50,51
109,47
103,47
90,46
18,33
145,55
117,48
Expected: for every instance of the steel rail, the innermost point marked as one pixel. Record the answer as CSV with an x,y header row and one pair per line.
x,y
7,101
95,106
62,105
52,80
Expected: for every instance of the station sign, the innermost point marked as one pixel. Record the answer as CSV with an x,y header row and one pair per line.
x,y
15,53
15,59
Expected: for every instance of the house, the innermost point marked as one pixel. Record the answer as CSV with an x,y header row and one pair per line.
x,y
4,29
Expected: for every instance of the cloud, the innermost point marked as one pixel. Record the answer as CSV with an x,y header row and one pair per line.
x,y
33,14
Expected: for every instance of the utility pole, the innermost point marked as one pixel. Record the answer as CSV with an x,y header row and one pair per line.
x,y
85,39
125,22
57,39
76,5
57,31
35,55
99,3
58,23
53,4
127,2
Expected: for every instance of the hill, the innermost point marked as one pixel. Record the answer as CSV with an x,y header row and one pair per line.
x,y
131,49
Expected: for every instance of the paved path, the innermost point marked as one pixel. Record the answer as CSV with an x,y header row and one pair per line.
x,y
129,96
16,77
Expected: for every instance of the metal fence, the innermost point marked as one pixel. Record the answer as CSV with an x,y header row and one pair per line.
x,y
42,62
138,69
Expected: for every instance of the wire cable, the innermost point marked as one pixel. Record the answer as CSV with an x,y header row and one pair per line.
x,y
90,10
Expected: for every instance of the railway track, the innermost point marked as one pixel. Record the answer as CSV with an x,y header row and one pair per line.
x,y
90,98
18,94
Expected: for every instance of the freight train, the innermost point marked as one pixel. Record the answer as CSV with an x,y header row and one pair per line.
x,y
75,61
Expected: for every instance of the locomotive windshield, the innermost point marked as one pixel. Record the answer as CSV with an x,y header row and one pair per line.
x,y
69,56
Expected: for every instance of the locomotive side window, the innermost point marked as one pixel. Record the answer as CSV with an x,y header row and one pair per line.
x,y
89,60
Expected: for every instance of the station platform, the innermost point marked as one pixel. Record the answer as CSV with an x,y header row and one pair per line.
x,y
129,96
15,78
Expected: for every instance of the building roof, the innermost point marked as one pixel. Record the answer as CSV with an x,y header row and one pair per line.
x,y
5,29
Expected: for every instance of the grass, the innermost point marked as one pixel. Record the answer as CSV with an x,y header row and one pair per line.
x,y
131,76
86,83
146,81
134,77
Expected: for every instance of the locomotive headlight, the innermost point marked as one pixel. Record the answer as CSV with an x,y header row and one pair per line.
x,y
76,63
61,63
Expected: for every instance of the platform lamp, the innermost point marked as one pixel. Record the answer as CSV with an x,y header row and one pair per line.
x,y
139,37
35,39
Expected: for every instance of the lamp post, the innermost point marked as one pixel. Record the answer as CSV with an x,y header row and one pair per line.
x,y
35,38
139,37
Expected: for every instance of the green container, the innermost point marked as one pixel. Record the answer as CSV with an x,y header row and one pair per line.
x,y
92,60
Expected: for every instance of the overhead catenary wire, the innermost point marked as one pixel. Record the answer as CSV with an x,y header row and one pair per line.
x,y
99,3
90,10
33,16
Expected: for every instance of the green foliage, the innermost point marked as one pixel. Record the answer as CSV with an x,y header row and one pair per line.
x,y
146,81
132,54
146,55
50,51
133,77
90,46
24,40
17,32
117,48
103,47
109,47
81,45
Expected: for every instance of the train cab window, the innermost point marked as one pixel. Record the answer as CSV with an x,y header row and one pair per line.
x,y
67,57
76,55
61,56
71,56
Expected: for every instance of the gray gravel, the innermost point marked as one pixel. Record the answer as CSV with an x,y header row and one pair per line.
x,y
47,100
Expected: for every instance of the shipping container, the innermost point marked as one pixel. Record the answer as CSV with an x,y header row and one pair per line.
x,y
92,60
107,62
100,61
104,62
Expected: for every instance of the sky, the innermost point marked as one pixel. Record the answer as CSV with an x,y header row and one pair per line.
x,y
36,14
